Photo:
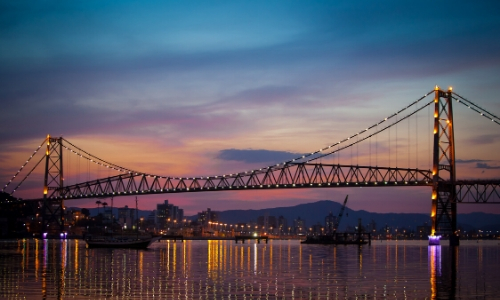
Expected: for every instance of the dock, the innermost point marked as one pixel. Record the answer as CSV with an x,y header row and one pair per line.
x,y
242,238
172,237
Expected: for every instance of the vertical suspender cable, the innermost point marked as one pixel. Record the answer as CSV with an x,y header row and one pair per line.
x,y
429,150
376,145
409,143
416,138
396,146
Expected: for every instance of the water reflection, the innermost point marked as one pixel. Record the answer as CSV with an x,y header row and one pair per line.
x,y
223,269
434,267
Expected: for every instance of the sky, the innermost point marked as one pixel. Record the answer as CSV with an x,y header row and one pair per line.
x,y
195,88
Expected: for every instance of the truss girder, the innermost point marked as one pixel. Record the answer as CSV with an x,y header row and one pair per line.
x,y
293,175
481,191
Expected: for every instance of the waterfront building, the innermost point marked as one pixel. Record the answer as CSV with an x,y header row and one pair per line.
x,y
299,226
126,217
282,225
267,223
168,215
207,216
330,221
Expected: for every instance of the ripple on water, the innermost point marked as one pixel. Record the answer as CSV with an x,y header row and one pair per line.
x,y
223,269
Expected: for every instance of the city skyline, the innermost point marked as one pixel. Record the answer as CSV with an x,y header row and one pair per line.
x,y
201,89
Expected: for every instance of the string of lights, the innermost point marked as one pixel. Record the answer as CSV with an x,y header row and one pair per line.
x,y
376,132
110,166
306,158
27,175
481,111
346,139
95,159
298,159
24,165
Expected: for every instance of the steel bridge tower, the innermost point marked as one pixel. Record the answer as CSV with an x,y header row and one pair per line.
x,y
444,204
53,209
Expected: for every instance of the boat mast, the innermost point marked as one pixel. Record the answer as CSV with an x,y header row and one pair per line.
x,y
136,218
112,217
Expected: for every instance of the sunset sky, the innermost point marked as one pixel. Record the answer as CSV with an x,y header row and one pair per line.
x,y
196,88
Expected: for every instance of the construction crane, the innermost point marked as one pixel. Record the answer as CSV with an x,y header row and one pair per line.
x,y
337,223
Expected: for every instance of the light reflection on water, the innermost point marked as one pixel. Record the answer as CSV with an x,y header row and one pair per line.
x,y
223,269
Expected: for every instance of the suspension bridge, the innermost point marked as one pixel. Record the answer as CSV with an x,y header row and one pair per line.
x,y
306,171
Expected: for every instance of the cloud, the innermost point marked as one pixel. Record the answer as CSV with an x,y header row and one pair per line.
x,y
466,161
486,166
484,139
256,156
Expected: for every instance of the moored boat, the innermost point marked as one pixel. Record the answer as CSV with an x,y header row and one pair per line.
x,y
134,242
331,240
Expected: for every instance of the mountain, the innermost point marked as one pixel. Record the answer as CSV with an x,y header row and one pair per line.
x,y
316,212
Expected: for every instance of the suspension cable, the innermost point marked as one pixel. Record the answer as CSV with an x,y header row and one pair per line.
x,y
362,131
95,159
25,177
377,132
107,164
22,167
483,112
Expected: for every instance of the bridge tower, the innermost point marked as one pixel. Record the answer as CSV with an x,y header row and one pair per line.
x,y
444,205
53,210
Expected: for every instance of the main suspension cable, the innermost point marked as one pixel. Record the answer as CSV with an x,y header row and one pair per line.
x,y
24,165
95,159
27,175
377,132
483,112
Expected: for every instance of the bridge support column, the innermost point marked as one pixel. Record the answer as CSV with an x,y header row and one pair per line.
x,y
444,206
53,210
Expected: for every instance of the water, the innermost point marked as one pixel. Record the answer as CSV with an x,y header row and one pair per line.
x,y
55,269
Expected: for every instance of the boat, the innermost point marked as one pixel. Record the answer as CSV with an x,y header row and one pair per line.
x,y
331,240
122,241
134,242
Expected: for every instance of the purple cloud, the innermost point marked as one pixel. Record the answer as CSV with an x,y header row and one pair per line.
x,y
466,161
486,166
256,156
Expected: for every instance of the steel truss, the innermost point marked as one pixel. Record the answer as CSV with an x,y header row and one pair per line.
x,y
478,191
293,175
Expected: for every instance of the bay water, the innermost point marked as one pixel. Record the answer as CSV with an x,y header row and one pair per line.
x,y
223,269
